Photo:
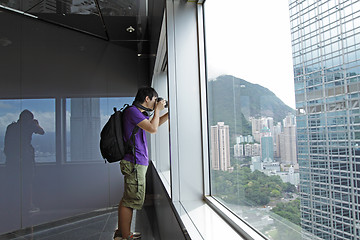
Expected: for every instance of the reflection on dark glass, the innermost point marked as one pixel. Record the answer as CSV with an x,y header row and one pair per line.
x,y
31,190
123,22
19,152
84,129
20,5
120,8
44,112
66,7
18,136
85,118
82,15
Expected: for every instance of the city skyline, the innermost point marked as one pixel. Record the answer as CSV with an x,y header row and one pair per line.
x,y
247,146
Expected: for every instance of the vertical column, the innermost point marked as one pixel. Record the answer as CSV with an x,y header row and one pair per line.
x,y
184,97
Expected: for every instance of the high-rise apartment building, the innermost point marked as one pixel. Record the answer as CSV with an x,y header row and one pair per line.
x,y
326,58
248,150
256,128
238,150
288,141
267,149
220,147
288,145
258,124
255,149
244,139
277,132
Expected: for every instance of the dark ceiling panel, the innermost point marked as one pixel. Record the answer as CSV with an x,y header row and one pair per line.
x,y
85,23
124,22
117,28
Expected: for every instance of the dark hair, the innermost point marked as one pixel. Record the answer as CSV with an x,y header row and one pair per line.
x,y
143,93
26,115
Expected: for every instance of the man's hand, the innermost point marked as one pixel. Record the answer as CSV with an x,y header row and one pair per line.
x,y
152,125
160,105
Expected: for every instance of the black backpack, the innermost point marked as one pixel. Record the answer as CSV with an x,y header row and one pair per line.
x,y
112,145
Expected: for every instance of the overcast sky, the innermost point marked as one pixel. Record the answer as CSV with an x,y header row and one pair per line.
x,y
251,40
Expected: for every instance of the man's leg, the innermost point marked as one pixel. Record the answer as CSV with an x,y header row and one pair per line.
x,y
124,220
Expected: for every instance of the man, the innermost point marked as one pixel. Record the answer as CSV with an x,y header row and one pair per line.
x,y
20,155
134,174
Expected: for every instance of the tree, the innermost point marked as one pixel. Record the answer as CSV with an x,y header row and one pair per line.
x,y
245,187
275,193
290,211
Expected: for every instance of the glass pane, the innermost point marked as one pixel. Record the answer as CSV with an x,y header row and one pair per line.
x,y
85,117
36,134
159,154
20,5
9,205
27,141
251,101
81,15
121,8
43,141
287,175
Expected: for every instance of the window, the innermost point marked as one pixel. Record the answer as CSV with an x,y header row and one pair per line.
x,y
41,142
254,169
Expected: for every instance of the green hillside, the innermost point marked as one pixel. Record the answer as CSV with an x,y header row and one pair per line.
x,y
233,100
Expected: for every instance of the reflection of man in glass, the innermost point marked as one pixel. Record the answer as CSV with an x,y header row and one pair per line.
x,y
20,153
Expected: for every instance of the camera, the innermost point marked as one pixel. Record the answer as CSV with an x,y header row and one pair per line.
x,y
166,102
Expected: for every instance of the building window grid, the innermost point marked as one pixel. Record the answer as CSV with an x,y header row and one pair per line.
x,y
335,129
322,228
334,66
336,73
326,39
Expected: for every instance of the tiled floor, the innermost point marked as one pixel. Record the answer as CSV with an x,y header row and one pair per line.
x,y
98,225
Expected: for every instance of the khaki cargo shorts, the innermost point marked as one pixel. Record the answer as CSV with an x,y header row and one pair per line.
x,y
134,184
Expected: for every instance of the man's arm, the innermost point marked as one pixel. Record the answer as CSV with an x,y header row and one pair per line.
x,y
152,125
38,129
164,118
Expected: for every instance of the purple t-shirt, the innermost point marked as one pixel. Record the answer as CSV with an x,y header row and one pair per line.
x,y
133,116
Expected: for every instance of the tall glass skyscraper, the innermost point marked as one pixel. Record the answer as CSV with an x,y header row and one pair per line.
x,y
326,54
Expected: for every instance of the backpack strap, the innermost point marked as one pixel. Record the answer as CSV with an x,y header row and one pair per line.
x,y
132,139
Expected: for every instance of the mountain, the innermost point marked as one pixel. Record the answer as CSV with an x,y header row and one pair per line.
x,y
233,100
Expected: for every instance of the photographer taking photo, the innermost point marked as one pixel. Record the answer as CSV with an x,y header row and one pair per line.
x,y
134,165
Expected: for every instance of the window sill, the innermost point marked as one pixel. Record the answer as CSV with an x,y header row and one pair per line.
x,y
241,227
202,221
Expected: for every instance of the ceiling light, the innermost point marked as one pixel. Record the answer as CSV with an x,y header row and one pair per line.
x,y
130,29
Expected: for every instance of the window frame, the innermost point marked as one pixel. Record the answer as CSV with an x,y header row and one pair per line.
x,y
238,224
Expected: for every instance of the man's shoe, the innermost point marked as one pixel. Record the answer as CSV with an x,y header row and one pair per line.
x,y
134,235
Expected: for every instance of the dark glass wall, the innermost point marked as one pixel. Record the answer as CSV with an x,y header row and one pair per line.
x,y
58,88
